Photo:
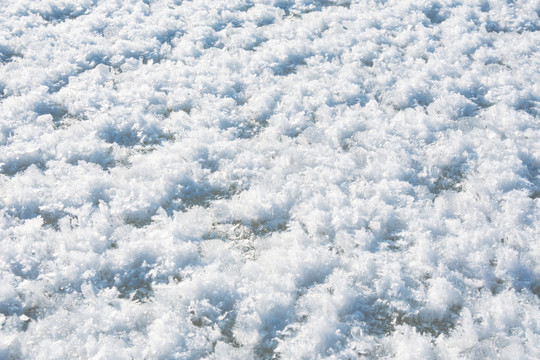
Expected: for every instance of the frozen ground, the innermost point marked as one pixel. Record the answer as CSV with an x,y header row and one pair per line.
x,y
235,179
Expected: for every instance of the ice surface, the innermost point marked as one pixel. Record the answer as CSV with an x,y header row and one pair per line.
x,y
269,179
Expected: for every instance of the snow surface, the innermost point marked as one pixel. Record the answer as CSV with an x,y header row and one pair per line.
x,y
237,179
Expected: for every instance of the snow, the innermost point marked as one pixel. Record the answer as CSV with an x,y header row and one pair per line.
x,y
261,178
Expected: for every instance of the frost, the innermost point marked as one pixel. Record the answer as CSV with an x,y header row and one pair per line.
x,y
261,179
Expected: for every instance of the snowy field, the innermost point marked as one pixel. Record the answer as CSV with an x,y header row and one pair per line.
x,y
269,179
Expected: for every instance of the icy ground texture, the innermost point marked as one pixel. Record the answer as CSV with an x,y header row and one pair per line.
x,y
239,179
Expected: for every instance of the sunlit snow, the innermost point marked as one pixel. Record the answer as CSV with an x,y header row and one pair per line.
x,y
263,179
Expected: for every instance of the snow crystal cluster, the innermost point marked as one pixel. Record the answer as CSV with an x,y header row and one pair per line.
x,y
263,179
